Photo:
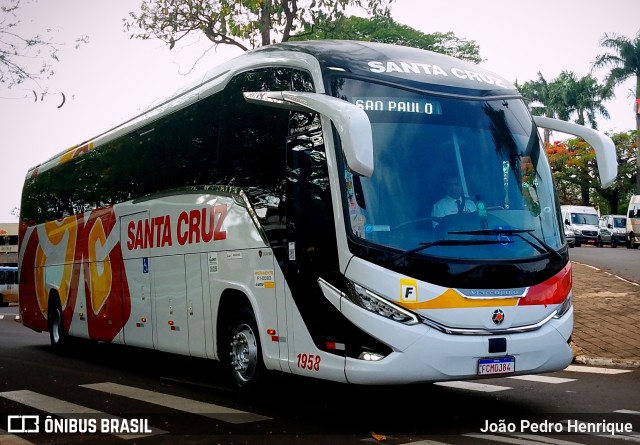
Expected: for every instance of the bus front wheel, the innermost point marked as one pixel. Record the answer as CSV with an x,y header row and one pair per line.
x,y
245,356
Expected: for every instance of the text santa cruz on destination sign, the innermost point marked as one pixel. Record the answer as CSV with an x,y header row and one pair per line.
x,y
434,70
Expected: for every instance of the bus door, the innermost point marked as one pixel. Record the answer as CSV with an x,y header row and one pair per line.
x,y
178,302
139,329
194,263
312,254
170,298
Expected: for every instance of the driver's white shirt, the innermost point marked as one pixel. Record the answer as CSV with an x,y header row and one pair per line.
x,y
449,206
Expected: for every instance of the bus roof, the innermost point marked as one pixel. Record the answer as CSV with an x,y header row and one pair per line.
x,y
404,66
399,64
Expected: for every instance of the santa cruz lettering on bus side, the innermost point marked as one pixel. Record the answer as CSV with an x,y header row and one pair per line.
x,y
194,226
202,225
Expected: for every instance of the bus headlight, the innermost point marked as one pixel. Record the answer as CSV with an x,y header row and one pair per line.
x,y
566,305
379,305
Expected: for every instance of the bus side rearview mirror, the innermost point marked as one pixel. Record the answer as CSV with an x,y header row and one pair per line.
x,y
601,143
352,122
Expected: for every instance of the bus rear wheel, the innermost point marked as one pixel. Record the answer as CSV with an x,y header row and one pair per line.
x,y
245,356
57,333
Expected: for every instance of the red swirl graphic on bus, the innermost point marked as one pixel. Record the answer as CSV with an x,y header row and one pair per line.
x,y
63,255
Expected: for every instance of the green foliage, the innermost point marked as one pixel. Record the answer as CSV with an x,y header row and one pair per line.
x,y
544,100
566,96
624,62
583,97
386,30
235,22
541,96
576,173
626,151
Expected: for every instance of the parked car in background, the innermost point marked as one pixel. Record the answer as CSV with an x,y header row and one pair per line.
x,y
633,222
583,220
612,230
569,236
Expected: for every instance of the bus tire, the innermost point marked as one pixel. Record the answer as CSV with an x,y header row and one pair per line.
x,y
57,334
245,352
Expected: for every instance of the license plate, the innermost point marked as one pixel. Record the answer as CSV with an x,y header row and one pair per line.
x,y
498,365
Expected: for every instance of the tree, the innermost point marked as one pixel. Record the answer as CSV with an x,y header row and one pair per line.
x,y
18,53
386,30
617,195
235,22
561,98
583,96
575,170
573,162
625,63
547,94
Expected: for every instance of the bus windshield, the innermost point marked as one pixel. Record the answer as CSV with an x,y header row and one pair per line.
x,y
454,177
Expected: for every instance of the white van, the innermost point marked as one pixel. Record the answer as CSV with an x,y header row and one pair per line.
x,y
583,220
633,222
613,231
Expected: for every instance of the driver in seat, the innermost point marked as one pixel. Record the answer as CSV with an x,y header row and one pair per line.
x,y
454,201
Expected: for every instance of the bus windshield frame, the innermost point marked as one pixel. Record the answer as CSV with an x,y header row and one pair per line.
x,y
421,140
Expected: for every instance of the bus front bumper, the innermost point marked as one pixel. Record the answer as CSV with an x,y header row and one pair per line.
x,y
436,356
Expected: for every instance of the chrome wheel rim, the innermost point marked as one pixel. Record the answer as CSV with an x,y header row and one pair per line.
x,y
244,352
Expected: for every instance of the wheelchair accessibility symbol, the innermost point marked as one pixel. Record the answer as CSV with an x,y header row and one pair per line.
x,y
145,265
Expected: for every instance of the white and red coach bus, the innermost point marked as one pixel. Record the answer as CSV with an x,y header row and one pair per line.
x,y
278,215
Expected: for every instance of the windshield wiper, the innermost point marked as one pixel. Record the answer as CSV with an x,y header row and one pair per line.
x,y
444,242
517,232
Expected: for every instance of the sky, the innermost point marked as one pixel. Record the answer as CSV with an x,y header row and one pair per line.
x,y
113,77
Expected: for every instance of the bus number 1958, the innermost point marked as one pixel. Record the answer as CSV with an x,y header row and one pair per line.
x,y
309,361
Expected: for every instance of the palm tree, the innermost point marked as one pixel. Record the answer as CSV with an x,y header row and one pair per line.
x,y
625,63
548,95
583,96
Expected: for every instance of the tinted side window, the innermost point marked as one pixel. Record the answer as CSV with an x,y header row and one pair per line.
x,y
215,141
176,151
252,146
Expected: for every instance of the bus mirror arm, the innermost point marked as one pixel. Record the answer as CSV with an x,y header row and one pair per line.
x,y
602,144
352,122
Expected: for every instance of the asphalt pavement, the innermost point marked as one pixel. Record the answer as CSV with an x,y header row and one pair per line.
x,y
606,318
